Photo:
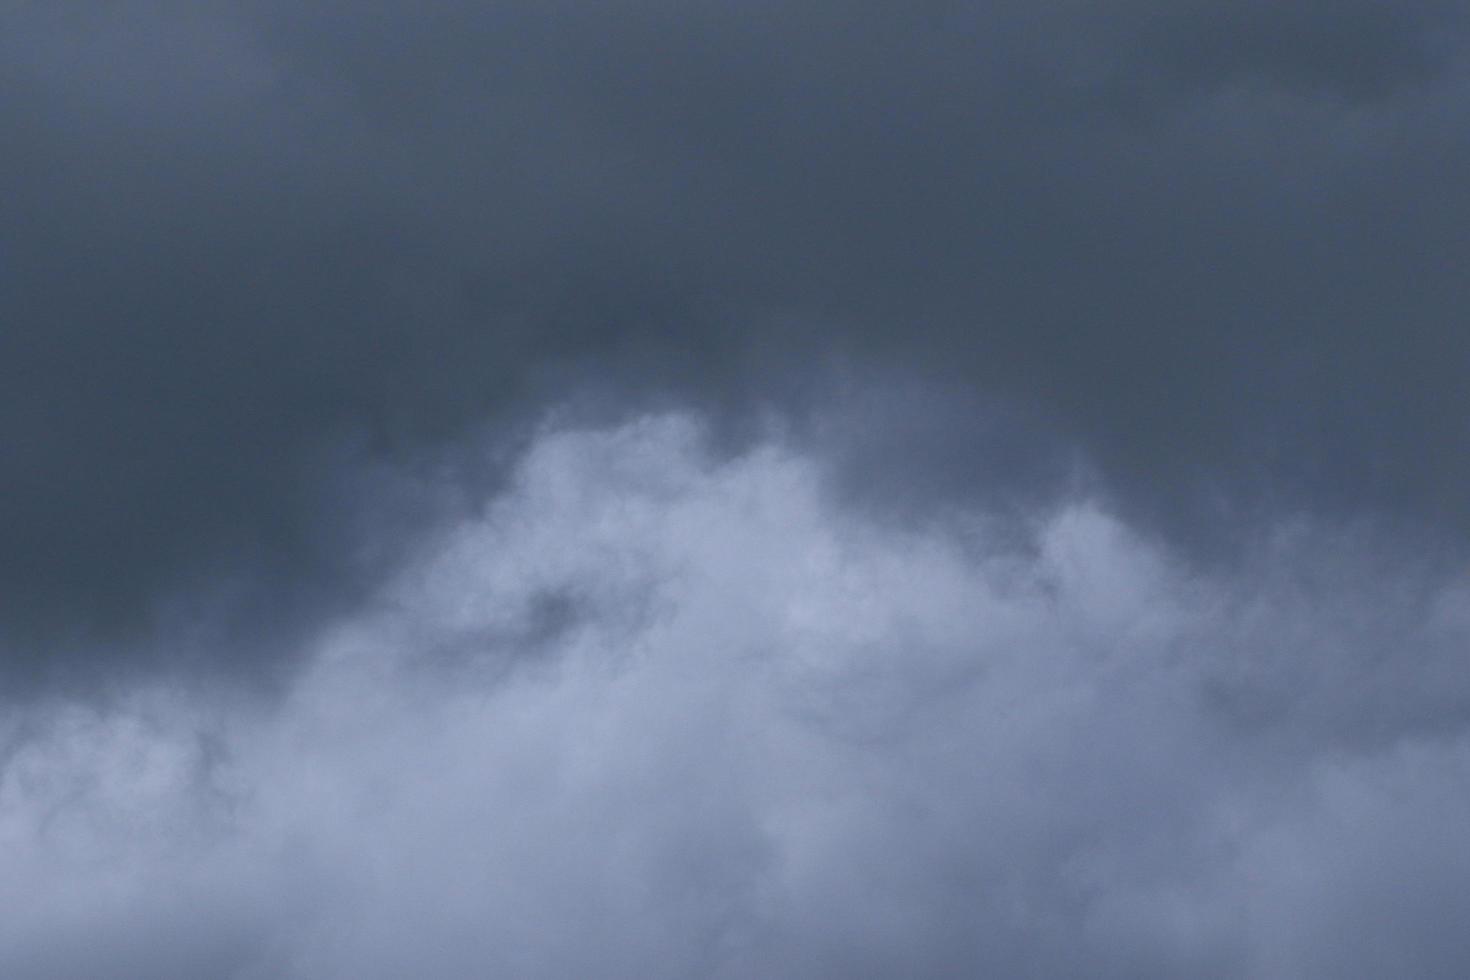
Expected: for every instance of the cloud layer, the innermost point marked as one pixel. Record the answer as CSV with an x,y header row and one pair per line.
x,y
252,248
656,710
759,489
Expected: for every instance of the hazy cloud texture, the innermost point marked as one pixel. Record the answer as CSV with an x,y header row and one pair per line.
x,y
733,489
764,738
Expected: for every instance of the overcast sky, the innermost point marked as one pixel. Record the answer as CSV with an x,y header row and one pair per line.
x,y
653,489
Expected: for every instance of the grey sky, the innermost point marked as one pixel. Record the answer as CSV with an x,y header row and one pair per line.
x,y
1167,296
1215,249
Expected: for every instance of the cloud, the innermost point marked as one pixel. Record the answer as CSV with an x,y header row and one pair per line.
x,y
660,710
251,250
553,489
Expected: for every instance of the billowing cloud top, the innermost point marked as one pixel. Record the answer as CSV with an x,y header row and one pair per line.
x,y
764,489
657,715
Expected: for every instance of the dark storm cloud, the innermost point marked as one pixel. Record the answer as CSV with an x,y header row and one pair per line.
x,y
251,247
733,489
